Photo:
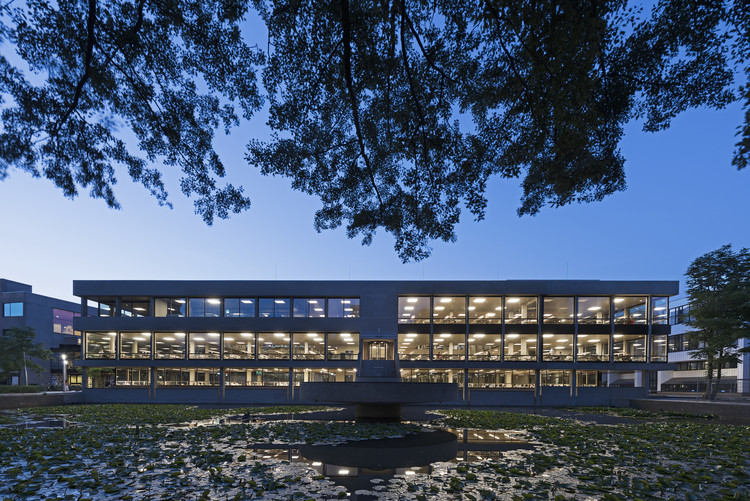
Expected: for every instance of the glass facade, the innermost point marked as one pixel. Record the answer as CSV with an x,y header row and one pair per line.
x,y
485,310
273,307
558,310
135,308
485,346
170,307
12,309
520,310
205,307
593,310
557,347
62,321
593,347
308,346
135,345
449,310
185,376
500,341
343,346
413,346
659,310
343,308
629,348
239,307
520,347
448,345
202,345
101,345
169,345
631,310
327,375
239,345
273,346
414,310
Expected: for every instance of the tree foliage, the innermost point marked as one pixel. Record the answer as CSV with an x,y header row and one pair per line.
x,y
19,352
719,291
395,113
169,72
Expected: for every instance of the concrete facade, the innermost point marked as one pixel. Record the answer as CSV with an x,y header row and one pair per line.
x,y
38,312
484,374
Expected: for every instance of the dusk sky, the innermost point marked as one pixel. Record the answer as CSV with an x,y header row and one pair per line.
x,y
684,198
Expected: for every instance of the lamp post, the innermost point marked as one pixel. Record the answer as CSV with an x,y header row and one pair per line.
x,y
65,372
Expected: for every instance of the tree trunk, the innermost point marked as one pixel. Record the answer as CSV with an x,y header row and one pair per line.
x,y
717,385
709,378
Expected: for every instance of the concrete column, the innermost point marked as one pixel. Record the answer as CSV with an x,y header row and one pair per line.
x,y
743,368
573,384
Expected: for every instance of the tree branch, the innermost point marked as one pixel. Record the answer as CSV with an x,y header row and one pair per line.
x,y
90,24
407,68
347,39
511,60
421,47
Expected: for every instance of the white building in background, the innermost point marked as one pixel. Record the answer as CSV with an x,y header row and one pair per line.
x,y
690,376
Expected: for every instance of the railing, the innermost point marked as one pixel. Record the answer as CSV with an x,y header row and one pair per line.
x,y
729,388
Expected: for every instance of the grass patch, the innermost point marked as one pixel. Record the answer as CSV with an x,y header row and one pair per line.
x,y
648,460
151,414
29,388
640,414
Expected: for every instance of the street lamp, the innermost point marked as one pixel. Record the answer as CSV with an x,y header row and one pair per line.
x,y
65,372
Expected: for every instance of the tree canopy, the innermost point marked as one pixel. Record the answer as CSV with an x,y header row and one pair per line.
x,y
18,352
719,292
395,113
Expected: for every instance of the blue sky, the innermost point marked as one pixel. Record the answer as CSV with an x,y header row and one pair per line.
x,y
683,199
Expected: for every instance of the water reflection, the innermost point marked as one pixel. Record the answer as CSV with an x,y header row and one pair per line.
x,y
366,464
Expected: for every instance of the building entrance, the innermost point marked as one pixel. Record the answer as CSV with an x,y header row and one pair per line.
x,y
379,350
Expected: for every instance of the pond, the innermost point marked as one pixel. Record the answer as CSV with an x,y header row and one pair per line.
x,y
460,454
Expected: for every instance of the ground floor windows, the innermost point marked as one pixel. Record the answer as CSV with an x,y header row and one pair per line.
x,y
102,377
183,376
493,378
276,376
433,376
330,375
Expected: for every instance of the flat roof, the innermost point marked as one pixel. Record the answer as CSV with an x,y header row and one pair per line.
x,y
93,288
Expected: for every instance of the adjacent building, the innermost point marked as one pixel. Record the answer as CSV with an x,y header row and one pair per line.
x,y
516,342
52,320
689,377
